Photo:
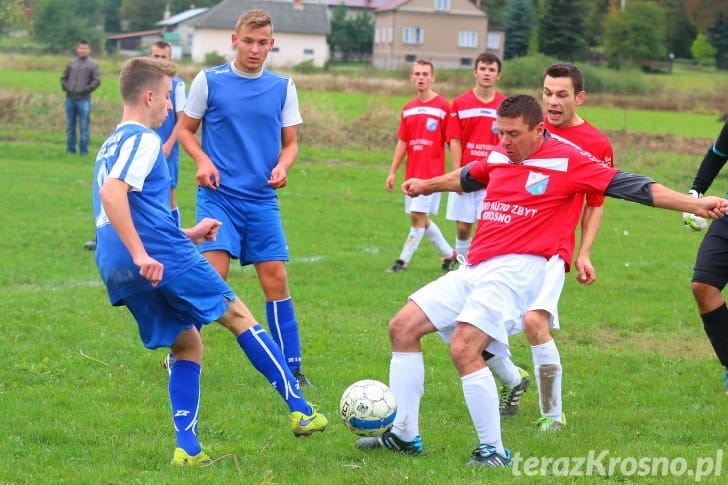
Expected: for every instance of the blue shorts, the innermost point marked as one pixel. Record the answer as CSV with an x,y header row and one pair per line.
x,y
195,297
251,230
173,164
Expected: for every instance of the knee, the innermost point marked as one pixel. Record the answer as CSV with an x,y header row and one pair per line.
x,y
702,291
536,327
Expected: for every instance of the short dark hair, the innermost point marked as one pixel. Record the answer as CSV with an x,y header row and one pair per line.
x,y
142,73
488,58
162,44
521,106
565,69
425,62
83,42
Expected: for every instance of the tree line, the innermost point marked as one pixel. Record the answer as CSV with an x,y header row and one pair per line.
x,y
621,33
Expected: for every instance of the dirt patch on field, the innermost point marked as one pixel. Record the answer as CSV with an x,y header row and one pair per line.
x,y
649,143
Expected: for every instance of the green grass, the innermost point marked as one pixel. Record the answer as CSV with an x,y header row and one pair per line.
x,y
82,401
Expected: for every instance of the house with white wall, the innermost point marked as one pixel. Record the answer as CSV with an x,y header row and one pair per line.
x,y
300,31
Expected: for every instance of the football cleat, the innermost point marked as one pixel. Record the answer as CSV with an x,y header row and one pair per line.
x,y
397,267
390,441
485,455
90,245
510,397
303,425
168,362
546,424
182,458
448,264
725,379
302,379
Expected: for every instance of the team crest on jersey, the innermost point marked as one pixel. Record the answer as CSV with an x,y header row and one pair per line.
x,y
494,128
431,124
537,183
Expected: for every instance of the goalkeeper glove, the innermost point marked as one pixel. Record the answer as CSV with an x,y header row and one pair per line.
x,y
691,221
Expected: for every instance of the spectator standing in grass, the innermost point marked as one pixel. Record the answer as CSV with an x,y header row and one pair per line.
x,y
421,139
80,78
152,267
249,142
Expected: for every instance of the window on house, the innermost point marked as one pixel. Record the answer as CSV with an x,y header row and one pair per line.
x,y
466,61
307,52
389,37
410,58
442,5
412,35
275,49
467,38
494,41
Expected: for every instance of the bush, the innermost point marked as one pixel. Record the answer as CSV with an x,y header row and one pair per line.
x,y
214,59
306,67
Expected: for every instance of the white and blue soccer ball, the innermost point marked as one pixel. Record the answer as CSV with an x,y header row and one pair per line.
x,y
367,407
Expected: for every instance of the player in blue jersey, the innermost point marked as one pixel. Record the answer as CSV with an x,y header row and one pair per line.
x,y
710,274
162,51
249,142
152,266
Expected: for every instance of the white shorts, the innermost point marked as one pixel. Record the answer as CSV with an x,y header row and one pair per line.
x,y
553,284
465,207
428,204
493,296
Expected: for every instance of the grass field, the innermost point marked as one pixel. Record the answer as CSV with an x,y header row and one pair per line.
x,y
82,401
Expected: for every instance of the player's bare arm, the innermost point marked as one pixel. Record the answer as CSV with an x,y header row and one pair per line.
x,y
205,230
289,152
114,197
450,182
456,153
590,221
399,152
207,174
641,189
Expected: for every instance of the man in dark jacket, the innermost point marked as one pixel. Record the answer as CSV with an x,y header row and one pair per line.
x,y
80,78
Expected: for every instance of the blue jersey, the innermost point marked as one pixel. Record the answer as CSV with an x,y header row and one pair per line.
x,y
178,104
134,155
242,121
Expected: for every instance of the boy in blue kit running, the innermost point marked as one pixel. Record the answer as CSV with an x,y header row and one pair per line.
x,y
152,266
249,141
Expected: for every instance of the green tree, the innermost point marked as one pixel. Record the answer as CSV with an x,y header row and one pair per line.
x,y
61,23
679,30
112,18
518,21
596,14
718,36
702,51
635,34
142,14
350,37
11,15
561,29
178,6
495,10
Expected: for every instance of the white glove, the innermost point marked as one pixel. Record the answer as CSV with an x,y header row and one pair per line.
x,y
691,221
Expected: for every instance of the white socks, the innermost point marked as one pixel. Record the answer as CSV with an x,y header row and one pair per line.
x,y
547,370
407,383
481,396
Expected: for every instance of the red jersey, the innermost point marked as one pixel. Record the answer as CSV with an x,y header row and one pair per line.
x,y
473,123
422,126
526,205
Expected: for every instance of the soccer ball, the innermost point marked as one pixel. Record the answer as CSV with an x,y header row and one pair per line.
x,y
367,408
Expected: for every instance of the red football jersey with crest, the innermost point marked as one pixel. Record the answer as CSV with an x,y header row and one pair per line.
x,y
422,126
473,123
526,203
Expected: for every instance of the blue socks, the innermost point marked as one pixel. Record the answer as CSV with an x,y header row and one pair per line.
x,y
284,330
267,358
184,395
